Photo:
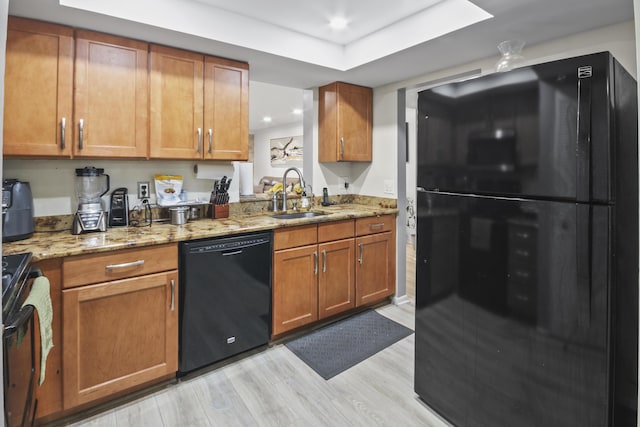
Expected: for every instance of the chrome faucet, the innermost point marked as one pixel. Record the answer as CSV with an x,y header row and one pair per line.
x,y
284,185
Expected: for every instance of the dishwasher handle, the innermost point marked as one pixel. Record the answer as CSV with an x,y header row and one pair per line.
x,y
238,252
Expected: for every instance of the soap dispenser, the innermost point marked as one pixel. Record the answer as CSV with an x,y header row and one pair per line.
x,y
304,201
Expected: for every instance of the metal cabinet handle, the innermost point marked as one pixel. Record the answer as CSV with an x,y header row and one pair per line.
x,y
124,265
173,293
199,139
210,141
360,246
315,258
324,261
63,129
342,147
378,225
80,134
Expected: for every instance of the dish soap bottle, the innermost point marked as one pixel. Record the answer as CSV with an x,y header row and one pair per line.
x,y
304,201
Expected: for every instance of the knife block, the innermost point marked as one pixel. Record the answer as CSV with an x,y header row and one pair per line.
x,y
221,211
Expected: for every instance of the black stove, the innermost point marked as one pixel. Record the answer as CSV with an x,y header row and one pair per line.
x,y
15,272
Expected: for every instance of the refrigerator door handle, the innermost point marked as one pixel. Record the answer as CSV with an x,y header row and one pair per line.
x,y
583,144
584,263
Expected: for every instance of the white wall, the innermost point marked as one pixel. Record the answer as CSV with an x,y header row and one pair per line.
x,y
261,150
53,181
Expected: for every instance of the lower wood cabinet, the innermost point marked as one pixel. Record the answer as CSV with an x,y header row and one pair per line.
x,y
336,278
376,262
122,333
49,394
295,288
324,271
313,274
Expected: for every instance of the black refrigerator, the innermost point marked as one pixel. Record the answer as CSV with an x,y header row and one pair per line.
x,y
527,247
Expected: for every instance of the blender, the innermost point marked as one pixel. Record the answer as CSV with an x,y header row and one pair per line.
x,y
91,184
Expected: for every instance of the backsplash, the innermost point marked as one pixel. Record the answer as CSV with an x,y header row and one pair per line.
x,y
53,181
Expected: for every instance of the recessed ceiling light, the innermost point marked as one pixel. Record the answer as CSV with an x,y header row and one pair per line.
x,y
297,111
338,23
266,119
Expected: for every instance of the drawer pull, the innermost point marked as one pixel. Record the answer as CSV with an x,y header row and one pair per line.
x,y
522,234
173,293
522,252
360,246
80,134
378,225
63,131
324,261
315,257
124,265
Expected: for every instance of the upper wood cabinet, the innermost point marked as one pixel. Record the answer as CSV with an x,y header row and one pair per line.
x,y
176,103
38,89
199,106
226,109
110,96
115,100
345,123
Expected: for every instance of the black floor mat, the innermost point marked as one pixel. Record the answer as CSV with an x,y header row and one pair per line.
x,y
341,345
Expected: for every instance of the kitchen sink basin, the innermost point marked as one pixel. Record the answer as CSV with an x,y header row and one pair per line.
x,y
296,215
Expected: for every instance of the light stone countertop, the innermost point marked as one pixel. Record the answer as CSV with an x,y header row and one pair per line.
x,y
55,244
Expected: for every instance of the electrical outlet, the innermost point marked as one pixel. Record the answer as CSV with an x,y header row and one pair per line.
x,y
143,190
344,181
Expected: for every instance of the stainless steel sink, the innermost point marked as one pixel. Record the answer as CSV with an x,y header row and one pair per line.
x,y
296,215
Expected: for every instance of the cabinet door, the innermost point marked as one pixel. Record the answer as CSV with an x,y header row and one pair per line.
x,y
345,123
355,104
176,104
49,394
295,288
336,280
110,97
375,267
118,335
226,109
38,87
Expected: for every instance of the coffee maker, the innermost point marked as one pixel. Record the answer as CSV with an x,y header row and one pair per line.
x,y
91,184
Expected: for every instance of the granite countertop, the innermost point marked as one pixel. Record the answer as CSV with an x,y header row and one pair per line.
x,y
55,244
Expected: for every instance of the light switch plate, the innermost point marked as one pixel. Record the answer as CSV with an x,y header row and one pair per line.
x,y
388,186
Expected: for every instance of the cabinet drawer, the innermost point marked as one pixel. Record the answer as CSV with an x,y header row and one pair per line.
x,y
103,267
294,237
338,230
374,224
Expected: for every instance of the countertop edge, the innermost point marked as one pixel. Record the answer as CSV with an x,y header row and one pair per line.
x,y
58,244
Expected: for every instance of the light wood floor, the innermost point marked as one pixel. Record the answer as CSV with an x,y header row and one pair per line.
x,y
275,388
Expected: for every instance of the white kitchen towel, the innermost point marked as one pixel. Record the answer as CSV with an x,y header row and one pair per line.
x,y
40,299
246,178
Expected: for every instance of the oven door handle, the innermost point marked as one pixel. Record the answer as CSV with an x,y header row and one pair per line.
x,y
22,317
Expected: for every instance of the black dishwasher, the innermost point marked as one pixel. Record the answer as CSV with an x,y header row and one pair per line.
x,y
225,298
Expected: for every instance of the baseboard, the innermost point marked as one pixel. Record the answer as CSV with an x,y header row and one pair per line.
x,y
402,299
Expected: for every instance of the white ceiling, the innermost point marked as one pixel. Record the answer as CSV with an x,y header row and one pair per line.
x,y
288,43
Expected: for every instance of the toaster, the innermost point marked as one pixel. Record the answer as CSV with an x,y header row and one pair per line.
x,y
17,210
